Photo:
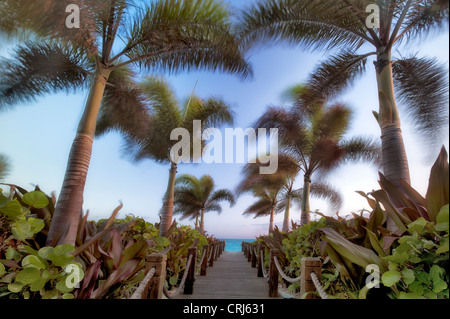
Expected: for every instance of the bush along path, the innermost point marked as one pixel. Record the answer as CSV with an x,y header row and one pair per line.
x,y
399,251
108,261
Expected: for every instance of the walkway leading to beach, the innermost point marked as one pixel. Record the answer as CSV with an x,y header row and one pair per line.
x,y
232,277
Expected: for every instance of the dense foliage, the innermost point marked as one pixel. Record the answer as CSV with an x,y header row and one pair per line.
x,y
108,260
405,238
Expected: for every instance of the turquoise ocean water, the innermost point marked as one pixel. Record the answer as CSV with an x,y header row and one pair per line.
x,y
235,244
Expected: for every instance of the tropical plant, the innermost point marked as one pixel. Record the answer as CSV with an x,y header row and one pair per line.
x,y
194,197
167,116
172,35
420,84
415,237
312,134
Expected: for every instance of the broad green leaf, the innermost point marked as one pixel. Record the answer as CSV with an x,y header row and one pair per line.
x,y
61,286
2,269
45,251
33,261
442,219
38,284
398,258
417,226
439,285
36,199
50,294
390,278
424,277
28,275
443,246
68,296
60,256
15,287
162,241
11,209
12,254
416,287
408,276
409,295
21,230
36,224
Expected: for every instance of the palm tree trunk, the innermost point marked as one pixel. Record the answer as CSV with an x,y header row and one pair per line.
x,y
64,225
196,222
202,222
167,212
272,213
395,161
286,215
305,217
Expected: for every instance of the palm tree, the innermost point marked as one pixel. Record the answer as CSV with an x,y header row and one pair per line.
x,y
268,188
166,35
276,192
312,133
164,116
420,84
4,166
265,205
195,197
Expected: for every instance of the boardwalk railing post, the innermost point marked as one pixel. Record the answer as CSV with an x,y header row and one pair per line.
x,y
211,259
156,284
250,252
216,251
254,257
309,265
273,274
189,284
204,264
260,260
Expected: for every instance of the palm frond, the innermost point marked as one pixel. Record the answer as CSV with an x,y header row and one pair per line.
x,y
422,90
222,195
312,24
124,107
177,35
325,191
5,166
334,75
363,149
40,68
423,17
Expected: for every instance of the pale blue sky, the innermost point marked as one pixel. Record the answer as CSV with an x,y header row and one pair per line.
x,y
37,138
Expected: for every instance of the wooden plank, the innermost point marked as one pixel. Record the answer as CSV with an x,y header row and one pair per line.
x,y
231,277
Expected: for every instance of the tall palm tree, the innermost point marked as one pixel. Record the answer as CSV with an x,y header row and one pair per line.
x,y
165,35
195,197
420,84
312,133
166,114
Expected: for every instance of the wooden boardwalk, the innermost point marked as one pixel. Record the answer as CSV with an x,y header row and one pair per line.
x,y
231,277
